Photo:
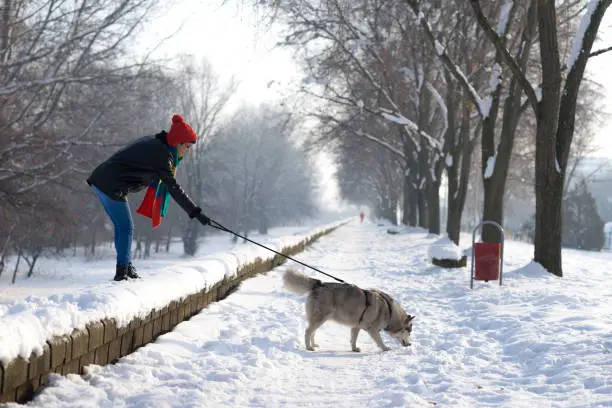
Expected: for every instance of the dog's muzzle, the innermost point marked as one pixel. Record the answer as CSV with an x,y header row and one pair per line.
x,y
404,343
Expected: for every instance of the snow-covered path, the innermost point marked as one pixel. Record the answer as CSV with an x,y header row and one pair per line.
x,y
539,341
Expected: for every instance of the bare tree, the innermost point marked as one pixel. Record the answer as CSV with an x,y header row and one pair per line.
x,y
202,101
262,178
370,175
554,104
555,108
48,48
364,64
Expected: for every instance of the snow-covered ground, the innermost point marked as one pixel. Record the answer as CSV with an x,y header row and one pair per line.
x,y
73,274
91,295
538,341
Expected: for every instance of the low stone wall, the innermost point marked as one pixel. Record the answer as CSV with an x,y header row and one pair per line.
x,y
103,342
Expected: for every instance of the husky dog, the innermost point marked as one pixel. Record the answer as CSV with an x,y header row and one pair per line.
x,y
369,310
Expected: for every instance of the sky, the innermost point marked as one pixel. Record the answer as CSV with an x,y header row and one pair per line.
x,y
536,341
231,37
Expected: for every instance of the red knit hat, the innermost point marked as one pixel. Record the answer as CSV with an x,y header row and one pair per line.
x,y
180,132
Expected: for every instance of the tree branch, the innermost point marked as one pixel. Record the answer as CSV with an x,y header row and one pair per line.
x,y
599,52
507,58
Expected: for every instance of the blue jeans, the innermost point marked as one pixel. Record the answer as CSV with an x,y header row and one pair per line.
x,y
120,215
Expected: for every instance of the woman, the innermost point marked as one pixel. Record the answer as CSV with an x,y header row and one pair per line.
x,y
150,162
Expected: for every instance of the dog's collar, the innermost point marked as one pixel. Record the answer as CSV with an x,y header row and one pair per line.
x,y
367,304
388,306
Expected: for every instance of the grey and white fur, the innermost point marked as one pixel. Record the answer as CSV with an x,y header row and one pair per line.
x,y
370,310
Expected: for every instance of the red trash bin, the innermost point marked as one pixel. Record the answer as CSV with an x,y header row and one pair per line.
x,y
487,256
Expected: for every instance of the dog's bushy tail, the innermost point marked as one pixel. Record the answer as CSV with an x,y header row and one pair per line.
x,y
297,283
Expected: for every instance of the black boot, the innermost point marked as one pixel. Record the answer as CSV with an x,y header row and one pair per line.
x,y
131,272
121,272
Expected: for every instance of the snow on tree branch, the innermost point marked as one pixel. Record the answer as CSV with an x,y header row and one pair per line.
x,y
364,135
410,127
577,44
447,61
441,104
504,17
496,39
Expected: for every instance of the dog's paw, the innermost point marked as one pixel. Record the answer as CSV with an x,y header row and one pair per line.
x,y
315,345
386,348
356,349
310,348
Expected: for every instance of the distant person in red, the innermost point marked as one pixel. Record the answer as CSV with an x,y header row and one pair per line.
x,y
361,215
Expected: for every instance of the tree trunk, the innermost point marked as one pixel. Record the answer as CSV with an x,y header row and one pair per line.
x,y
548,220
190,238
5,30
263,224
549,181
433,192
413,206
453,220
409,216
168,239
548,192
5,249
555,116
493,210
459,176
93,243
493,184
147,246
434,207
32,264
422,187
387,211
138,251
410,171
195,188
16,268
405,199
423,210
391,215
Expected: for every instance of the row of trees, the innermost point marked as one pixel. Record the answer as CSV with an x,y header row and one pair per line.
x,y
71,94
409,90
406,92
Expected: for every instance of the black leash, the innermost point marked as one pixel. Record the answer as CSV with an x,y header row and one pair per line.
x,y
220,227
